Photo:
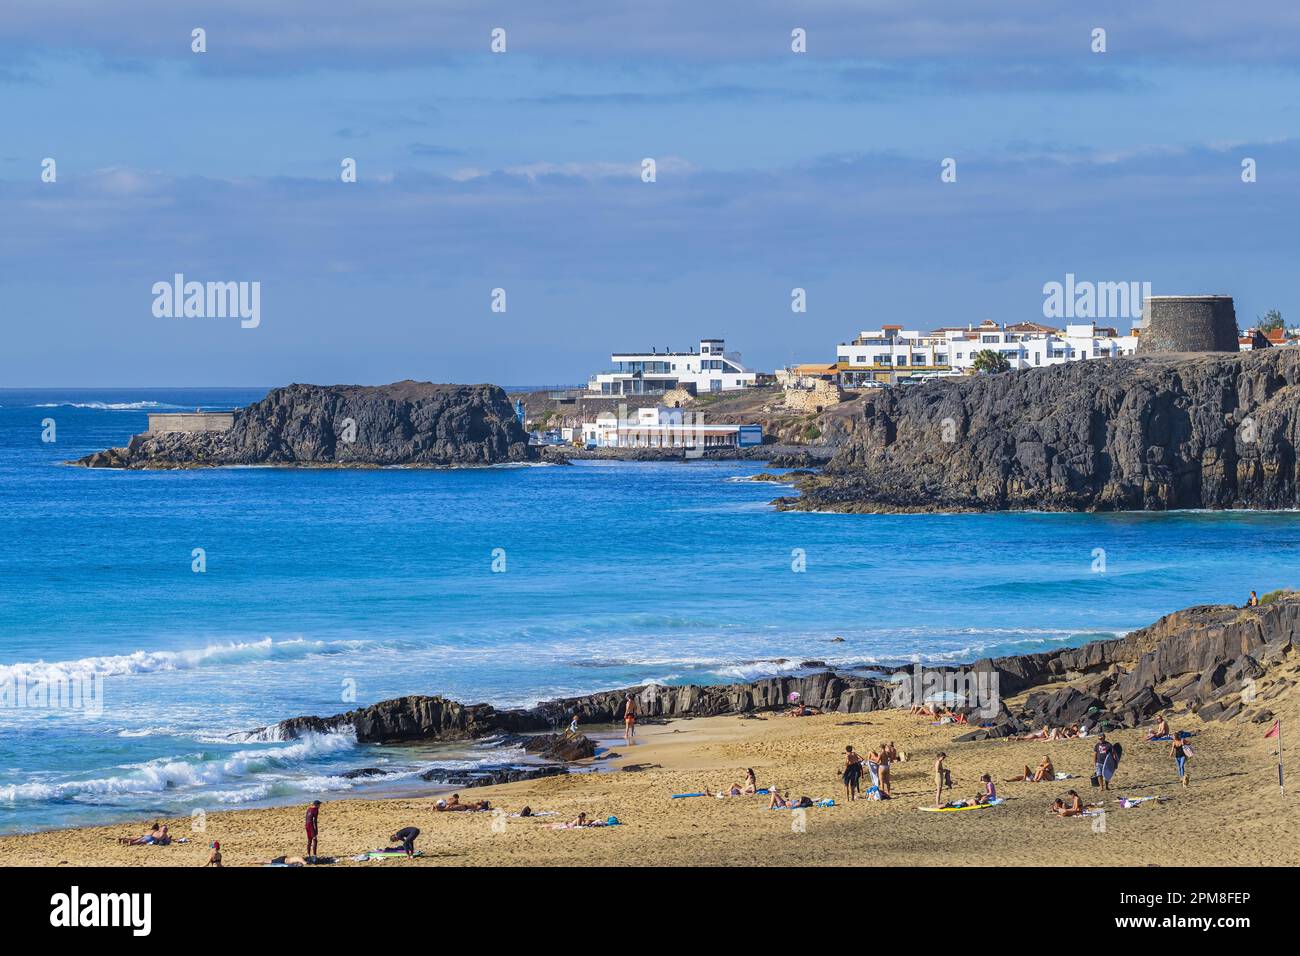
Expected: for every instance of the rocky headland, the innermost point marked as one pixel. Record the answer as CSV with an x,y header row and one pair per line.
x,y
1151,432
405,423
1218,661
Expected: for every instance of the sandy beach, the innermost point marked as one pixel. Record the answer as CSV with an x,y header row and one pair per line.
x,y
1232,813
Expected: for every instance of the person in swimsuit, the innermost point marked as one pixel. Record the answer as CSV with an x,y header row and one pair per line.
x,y
852,773
990,793
777,801
883,755
1178,750
629,720
942,778
1161,729
313,826
214,858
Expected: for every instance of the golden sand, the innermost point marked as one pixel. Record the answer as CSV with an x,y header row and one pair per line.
x,y
1232,814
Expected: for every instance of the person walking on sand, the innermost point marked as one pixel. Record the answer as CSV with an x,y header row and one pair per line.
x,y
852,773
942,778
313,827
629,720
1104,761
1180,751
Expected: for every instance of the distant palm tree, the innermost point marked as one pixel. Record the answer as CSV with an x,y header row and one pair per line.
x,y
987,360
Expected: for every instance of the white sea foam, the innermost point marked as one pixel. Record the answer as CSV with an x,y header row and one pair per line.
x,y
152,662
173,774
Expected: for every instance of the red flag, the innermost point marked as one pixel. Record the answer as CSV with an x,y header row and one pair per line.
x,y
1277,726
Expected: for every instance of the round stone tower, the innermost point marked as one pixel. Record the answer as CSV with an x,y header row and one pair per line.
x,y
1188,323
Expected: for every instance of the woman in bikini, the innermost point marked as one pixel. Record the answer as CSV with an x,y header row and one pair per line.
x,y
884,771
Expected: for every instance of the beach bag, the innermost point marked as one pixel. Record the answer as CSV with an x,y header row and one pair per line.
x,y
1096,780
805,801
1187,750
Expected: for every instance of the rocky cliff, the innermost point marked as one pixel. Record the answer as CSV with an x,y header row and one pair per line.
x,y
1135,433
1210,660
406,423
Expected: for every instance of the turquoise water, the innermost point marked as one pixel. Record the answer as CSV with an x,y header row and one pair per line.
x,y
322,586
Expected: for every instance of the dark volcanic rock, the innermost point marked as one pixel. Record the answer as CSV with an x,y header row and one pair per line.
x,y
566,747
406,423
488,776
1134,433
1202,656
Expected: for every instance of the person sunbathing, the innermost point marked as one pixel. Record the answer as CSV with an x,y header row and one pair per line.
x,y
214,858
1074,808
777,802
1036,735
1045,771
1161,729
746,788
157,836
581,821
454,804
990,794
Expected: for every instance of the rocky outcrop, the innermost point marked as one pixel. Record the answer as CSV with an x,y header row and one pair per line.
x,y
406,423
1206,659
1134,433
489,776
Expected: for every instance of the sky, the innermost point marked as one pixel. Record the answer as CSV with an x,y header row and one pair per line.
x,y
522,170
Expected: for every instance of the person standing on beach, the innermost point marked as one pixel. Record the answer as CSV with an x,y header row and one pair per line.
x,y
1179,750
1103,758
852,773
629,720
313,827
942,778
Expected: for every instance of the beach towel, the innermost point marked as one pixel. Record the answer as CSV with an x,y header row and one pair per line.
x,y
386,854
1064,776
1127,802
819,804
978,806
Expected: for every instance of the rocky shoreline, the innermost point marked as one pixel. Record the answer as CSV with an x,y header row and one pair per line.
x,y
1156,432
1202,660
414,424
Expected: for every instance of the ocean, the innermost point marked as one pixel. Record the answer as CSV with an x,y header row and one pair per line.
x,y
321,590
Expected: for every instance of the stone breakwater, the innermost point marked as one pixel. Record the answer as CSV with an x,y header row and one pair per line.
x,y
1134,433
1203,659
405,423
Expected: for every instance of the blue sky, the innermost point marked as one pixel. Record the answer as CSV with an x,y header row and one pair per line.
x,y
521,171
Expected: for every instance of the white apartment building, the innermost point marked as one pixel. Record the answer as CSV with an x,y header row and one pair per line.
x,y
711,369
893,353
659,427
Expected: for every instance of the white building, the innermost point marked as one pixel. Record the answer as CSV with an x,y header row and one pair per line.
x,y
659,427
893,353
711,369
